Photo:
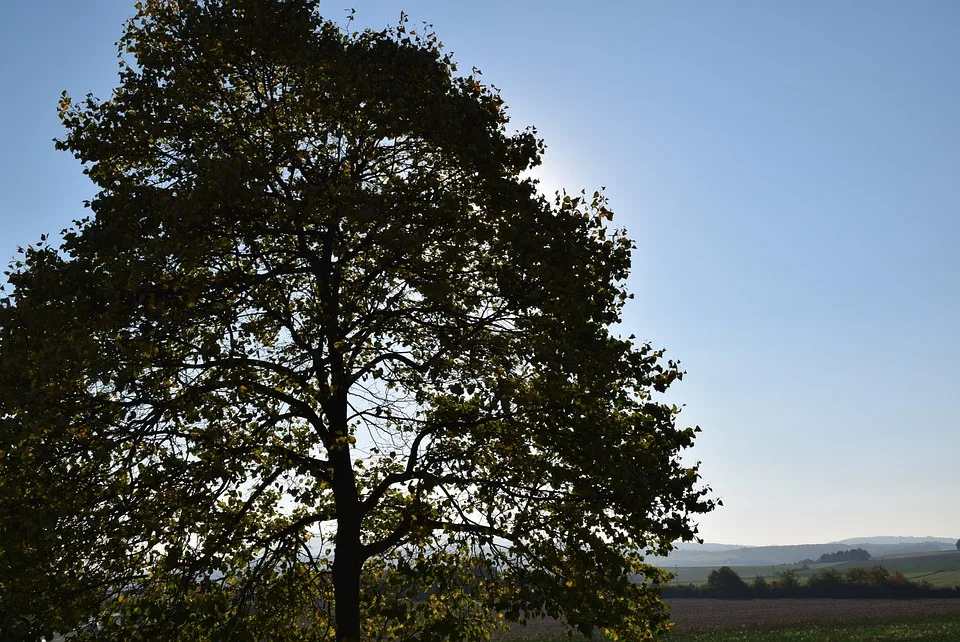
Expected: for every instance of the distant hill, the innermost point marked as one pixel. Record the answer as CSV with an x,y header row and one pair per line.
x,y
728,555
886,539
709,547
940,569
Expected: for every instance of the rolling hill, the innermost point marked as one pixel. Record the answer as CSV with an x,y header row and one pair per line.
x,y
941,568
728,555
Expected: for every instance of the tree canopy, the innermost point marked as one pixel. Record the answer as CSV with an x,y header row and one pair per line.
x,y
322,363
725,580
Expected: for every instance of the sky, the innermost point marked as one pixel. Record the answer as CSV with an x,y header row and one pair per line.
x,y
790,172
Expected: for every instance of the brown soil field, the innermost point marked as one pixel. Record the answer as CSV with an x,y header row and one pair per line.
x,y
705,613
695,613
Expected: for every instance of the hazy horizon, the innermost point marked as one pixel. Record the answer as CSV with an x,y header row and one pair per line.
x,y
789,171
932,538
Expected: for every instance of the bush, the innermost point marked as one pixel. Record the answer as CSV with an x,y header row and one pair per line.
x,y
826,577
827,582
788,580
857,575
870,576
759,587
878,576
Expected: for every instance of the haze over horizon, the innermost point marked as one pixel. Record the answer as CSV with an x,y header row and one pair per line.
x,y
864,538
789,171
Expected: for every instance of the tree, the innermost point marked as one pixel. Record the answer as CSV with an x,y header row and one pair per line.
x,y
958,544
787,581
759,586
726,581
825,579
322,363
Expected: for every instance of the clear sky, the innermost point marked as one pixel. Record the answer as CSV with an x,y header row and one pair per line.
x,y
790,170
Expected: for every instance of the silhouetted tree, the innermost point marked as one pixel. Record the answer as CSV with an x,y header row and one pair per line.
x,y
726,581
759,586
788,582
321,349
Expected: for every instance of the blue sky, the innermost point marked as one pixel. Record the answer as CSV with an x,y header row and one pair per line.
x,y
790,170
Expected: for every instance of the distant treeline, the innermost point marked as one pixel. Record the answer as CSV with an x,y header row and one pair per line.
x,y
863,582
851,555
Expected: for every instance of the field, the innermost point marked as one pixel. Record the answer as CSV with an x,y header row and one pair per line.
x,y
691,614
802,620
940,569
941,628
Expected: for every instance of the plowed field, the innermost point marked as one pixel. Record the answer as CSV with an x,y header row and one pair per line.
x,y
698,614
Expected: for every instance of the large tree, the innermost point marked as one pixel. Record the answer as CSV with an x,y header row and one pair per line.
x,y
322,362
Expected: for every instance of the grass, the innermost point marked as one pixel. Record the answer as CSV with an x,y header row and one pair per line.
x,y
938,628
942,578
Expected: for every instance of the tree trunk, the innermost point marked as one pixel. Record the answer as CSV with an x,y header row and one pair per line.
x,y
348,550
348,556
346,588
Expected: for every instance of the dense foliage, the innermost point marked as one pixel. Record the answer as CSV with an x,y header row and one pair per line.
x,y
726,580
322,362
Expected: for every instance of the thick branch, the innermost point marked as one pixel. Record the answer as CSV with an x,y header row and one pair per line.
x,y
395,478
